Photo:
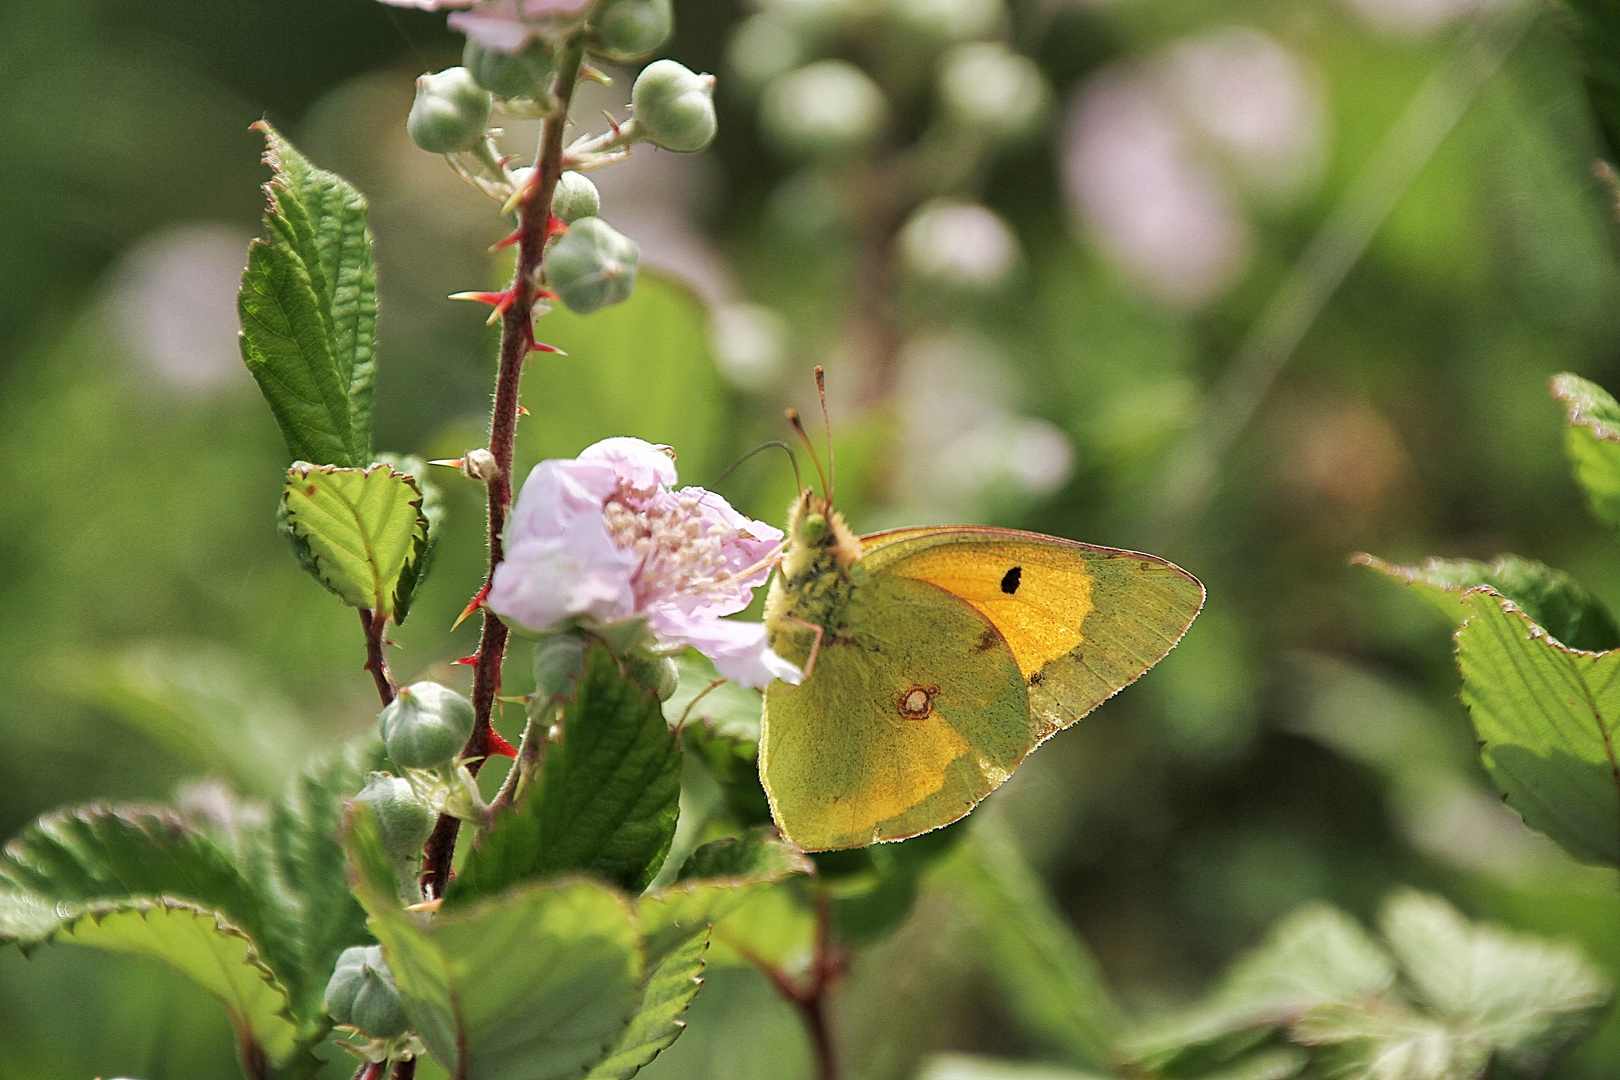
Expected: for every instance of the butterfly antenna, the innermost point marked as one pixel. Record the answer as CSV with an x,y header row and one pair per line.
x,y
798,426
797,480
826,428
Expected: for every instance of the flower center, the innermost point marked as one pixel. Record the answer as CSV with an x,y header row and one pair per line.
x,y
678,552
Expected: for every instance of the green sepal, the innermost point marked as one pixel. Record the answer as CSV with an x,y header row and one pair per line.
x,y
358,531
605,801
1550,597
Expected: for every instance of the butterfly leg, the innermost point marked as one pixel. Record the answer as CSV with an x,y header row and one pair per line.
x,y
815,647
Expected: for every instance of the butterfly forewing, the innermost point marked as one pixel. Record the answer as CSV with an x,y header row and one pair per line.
x,y
1083,621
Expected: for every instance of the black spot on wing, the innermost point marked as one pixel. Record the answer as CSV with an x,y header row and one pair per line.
x,y
1009,580
987,640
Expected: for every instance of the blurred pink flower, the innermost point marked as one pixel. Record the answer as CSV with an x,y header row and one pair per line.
x,y
606,537
507,25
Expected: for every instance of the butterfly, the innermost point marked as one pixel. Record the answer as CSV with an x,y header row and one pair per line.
x,y
935,659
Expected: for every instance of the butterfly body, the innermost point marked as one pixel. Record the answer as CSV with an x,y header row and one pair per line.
x,y
937,659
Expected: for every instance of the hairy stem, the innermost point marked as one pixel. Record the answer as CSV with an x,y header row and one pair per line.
x,y
534,227
375,624
810,996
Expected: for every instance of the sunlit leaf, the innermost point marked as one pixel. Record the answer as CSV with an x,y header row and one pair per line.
x,y
197,942
98,854
719,878
1547,717
1593,442
536,983
359,531
427,541
655,1021
605,801
1550,597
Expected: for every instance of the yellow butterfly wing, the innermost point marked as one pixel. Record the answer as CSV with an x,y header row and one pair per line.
x,y
959,651
1082,621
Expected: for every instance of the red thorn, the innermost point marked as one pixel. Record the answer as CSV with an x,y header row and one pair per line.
x,y
500,746
546,294
522,411
540,346
469,661
555,227
473,605
508,242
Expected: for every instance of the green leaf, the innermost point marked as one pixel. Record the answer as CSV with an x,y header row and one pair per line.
x,y
299,857
99,853
337,249
1593,442
1315,957
641,366
720,877
308,305
1524,998
539,982
963,1067
359,531
1478,994
1550,597
1051,983
1546,717
605,802
198,943
655,1023
727,711
421,561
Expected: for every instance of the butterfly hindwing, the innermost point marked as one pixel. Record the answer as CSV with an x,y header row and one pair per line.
x,y
913,714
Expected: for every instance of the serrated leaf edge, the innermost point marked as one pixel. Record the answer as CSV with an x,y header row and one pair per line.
x,y
420,530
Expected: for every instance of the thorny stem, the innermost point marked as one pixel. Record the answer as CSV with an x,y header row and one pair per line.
x,y
375,624
531,752
534,215
405,1069
369,1070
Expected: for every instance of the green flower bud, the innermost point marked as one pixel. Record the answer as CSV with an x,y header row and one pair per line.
x,y
362,994
575,197
990,90
426,726
630,29
829,109
657,673
762,47
450,114
674,106
558,660
525,74
592,265
404,820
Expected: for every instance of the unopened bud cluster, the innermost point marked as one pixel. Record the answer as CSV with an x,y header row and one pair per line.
x,y
524,65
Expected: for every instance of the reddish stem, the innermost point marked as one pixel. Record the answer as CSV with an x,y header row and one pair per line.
x,y
405,1069
810,997
517,339
375,624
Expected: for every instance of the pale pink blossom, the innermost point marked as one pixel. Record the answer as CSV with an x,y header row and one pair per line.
x,y
507,25
607,537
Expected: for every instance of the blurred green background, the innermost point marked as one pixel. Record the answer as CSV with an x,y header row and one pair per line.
x,y
1305,741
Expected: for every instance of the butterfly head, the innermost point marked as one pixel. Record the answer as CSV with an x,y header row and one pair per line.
x,y
817,534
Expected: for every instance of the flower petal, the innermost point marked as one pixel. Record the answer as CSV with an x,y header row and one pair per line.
x,y
639,464
548,580
738,649
555,493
